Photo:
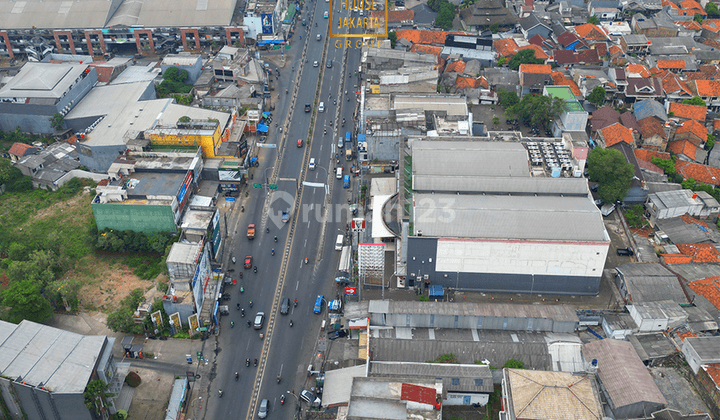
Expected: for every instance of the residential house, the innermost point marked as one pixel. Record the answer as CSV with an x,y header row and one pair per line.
x,y
615,134
708,90
532,25
700,173
688,28
640,89
505,47
19,150
573,117
688,112
636,71
649,108
533,77
657,26
603,117
628,120
542,42
566,57
637,193
570,41
591,33
711,29
654,134
635,44
693,131
684,149
676,89
616,29
700,351
618,77
604,9
191,63
691,8
559,79
52,166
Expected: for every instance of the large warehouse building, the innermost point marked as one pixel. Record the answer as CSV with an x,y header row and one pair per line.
x,y
485,219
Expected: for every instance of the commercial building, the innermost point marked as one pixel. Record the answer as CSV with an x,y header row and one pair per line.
x,y
669,204
503,217
147,192
44,371
41,90
191,63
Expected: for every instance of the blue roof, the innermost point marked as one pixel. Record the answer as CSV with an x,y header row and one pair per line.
x,y
649,108
435,291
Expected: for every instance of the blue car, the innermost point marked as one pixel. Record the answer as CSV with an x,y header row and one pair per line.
x,y
346,181
318,304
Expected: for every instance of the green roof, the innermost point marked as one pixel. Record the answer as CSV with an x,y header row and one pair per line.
x,y
562,92
573,106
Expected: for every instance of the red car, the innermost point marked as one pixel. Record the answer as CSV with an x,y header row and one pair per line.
x,y
300,142
248,261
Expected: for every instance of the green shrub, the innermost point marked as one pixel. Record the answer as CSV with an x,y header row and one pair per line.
x,y
133,380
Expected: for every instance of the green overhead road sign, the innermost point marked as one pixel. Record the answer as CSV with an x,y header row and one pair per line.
x,y
273,186
256,185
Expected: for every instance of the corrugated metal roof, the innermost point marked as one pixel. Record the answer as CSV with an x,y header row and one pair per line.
x,y
43,80
509,217
564,313
651,282
453,105
651,346
707,348
500,185
552,395
468,377
622,373
468,159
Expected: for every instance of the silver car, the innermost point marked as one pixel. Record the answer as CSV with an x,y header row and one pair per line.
x,y
259,319
264,408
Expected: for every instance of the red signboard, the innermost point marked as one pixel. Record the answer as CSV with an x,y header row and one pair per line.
x,y
350,290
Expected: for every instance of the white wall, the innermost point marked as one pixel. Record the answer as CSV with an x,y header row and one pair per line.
x,y
458,398
514,257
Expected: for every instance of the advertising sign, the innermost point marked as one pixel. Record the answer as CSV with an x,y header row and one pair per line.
x,y
350,290
201,279
194,323
267,23
184,191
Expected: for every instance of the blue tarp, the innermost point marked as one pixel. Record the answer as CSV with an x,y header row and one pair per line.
x,y
435,292
361,137
275,41
262,128
266,114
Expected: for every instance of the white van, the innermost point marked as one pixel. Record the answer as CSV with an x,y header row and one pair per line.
x,y
312,164
338,173
341,142
321,107
339,243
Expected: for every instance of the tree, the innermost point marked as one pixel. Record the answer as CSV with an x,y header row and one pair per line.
x,y
496,120
95,395
57,121
710,142
514,364
698,18
667,165
445,16
24,301
696,100
392,36
594,20
634,216
494,27
711,9
597,96
611,170
13,179
526,56
536,110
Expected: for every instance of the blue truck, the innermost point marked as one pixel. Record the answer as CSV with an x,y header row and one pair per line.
x,y
346,181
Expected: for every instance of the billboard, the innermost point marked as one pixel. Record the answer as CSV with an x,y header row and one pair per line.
x,y
200,280
267,23
184,192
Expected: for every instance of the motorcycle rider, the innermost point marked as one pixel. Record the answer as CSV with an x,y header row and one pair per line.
x,y
247,361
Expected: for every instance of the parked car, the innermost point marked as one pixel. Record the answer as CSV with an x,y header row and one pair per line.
x,y
259,319
625,252
309,397
285,306
317,309
332,335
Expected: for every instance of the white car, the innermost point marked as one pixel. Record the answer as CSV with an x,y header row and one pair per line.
x,y
315,63
259,319
264,407
312,164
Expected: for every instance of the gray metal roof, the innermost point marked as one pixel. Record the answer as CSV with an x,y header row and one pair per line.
x,y
62,361
651,282
468,377
42,80
452,104
696,271
681,232
501,185
498,348
700,320
568,218
623,374
563,313
152,184
54,14
651,346
707,348
173,13
184,253
469,158
103,100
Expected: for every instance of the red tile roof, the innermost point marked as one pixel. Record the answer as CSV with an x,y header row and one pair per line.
x,y
539,52
559,79
705,87
651,126
698,172
647,155
535,68
471,83
456,66
684,147
615,49
712,25
690,112
615,134
637,68
644,164
689,24
701,253
19,149
505,47
716,124
694,127
709,288
425,37
399,15
674,85
687,334
713,369
590,31
671,64
707,72
426,49
689,4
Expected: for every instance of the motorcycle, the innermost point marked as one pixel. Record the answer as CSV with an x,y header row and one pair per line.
x,y
278,380
296,303
236,376
272,251
276,239
242,313
247,361
267,230
334,101
238,306
242,209
330,123
255,362
233,260
282,400
255,269
306,261
324,131
232,324
220,392
251,304
291,323
242,289
241,274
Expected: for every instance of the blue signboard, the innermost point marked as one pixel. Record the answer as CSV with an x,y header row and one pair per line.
x,y
267,23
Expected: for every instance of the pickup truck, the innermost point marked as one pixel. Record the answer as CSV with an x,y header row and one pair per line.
x,y
251,231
